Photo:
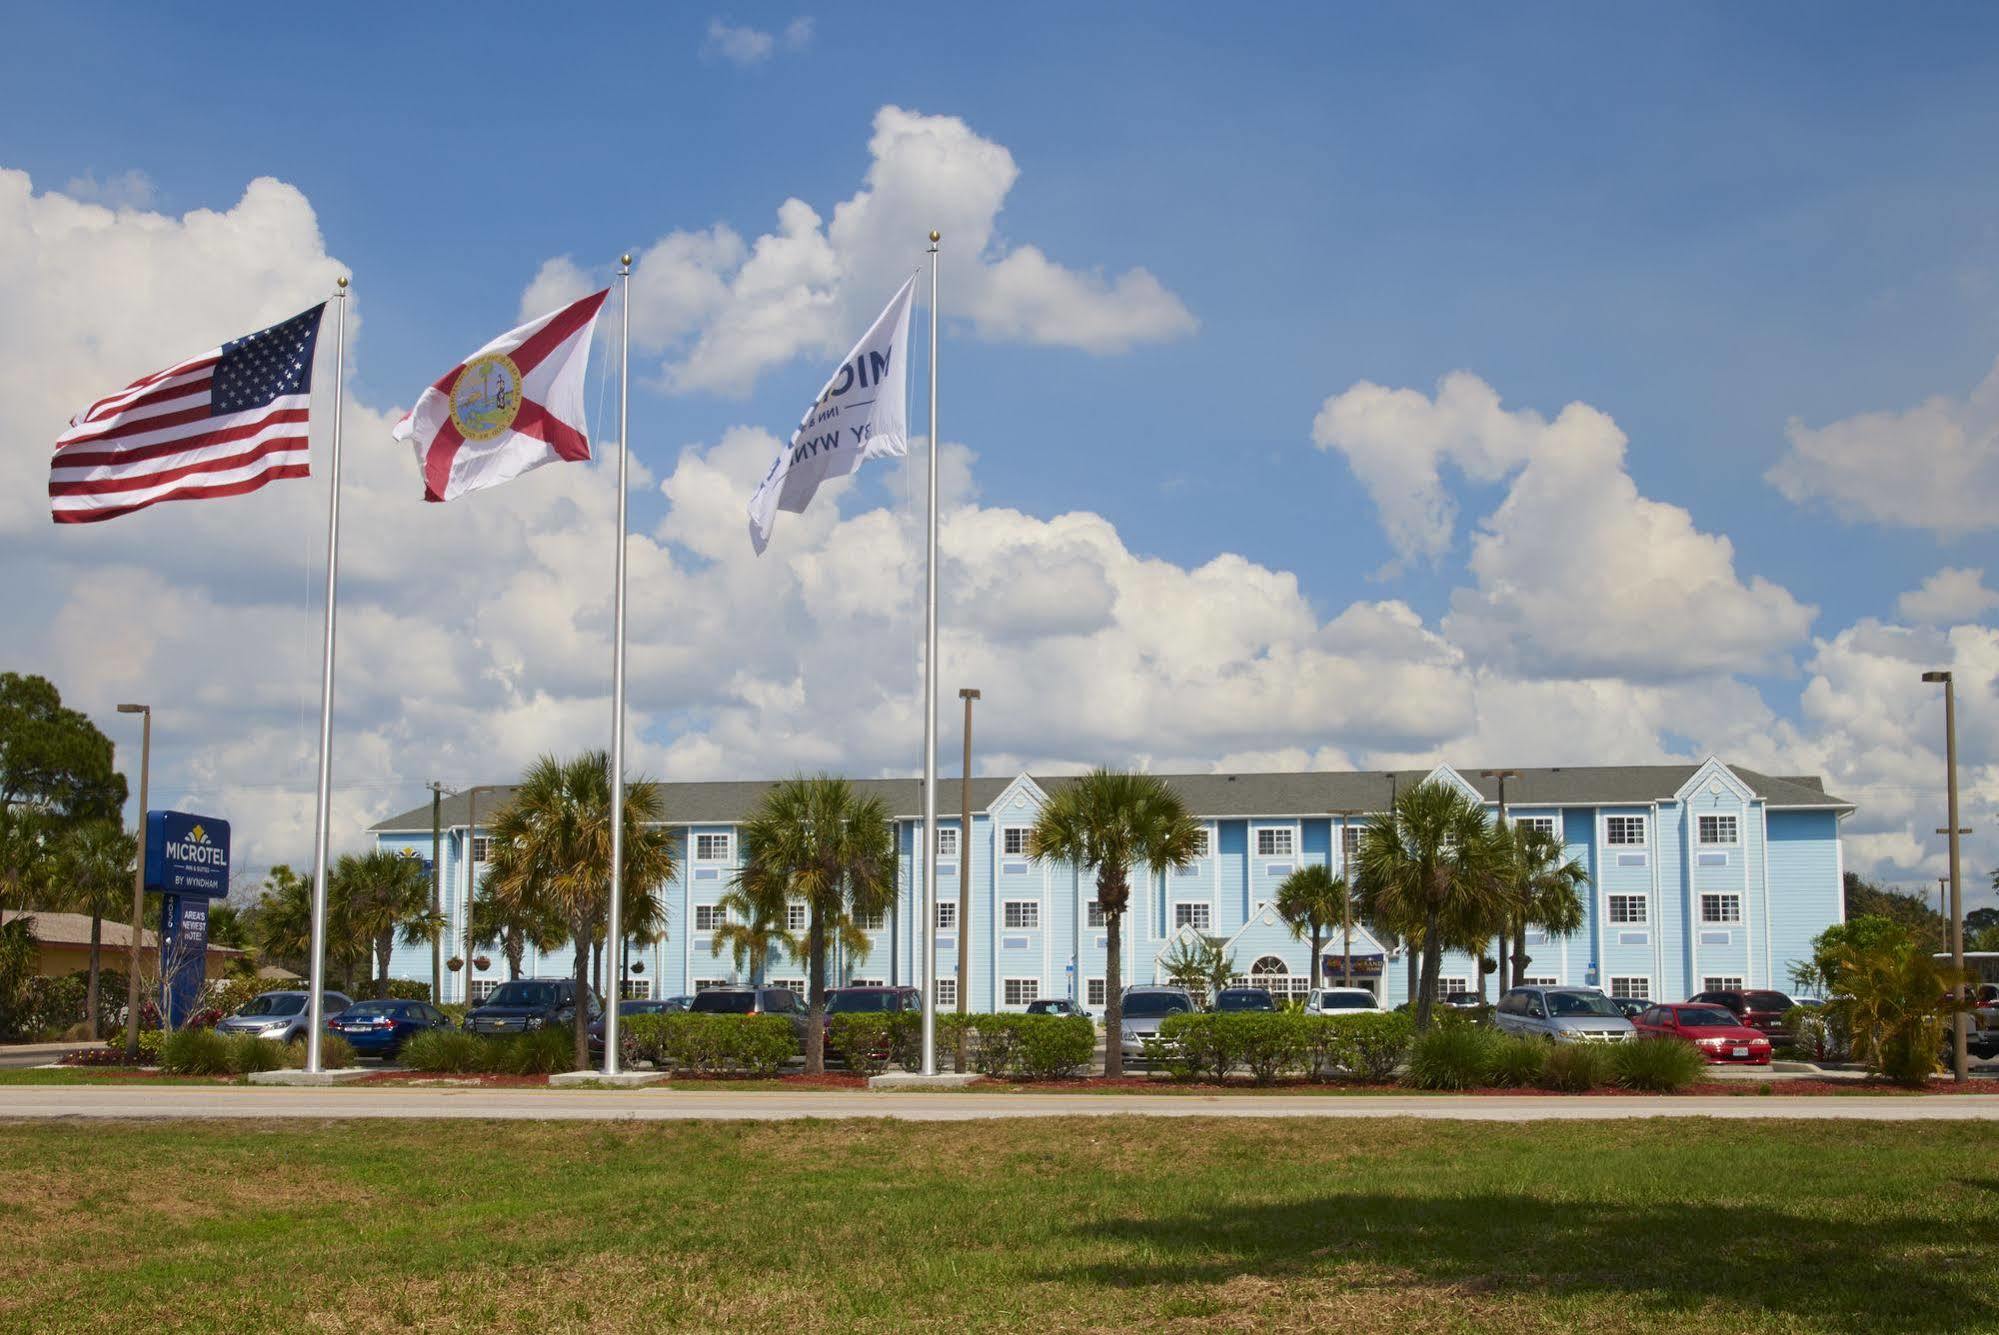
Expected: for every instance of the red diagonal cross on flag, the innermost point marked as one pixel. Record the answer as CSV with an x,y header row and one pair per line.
x,y
514,405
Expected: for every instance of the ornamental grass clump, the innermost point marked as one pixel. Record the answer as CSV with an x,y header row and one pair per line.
x,y
335,1053
1657,1065
1516,1061
447,1052
538,1052
1451,1057
195,1052
1575,1068
249,1053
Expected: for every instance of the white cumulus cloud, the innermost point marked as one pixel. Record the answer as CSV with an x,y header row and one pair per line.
x,y
1952,594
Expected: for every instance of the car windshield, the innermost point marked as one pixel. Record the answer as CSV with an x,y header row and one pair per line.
x,y
1346,1001
641,1007
1708,1015
1766,1001
1046,1007
1566,1004
275,1003
857,1003
375,1008
1243,999
525,995
1156,1003
725,1003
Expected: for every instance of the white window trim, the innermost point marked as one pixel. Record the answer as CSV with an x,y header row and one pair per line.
x,y
717,916
1702,842
728,839
1541,980
1291,832
1006,904
1033,991
1727,982
1554,823
1005,830
1644,982
1098,925
1102,992
945,906
877,922
1644,824
944,830
1173,911
1445,985
1706,895
793,985
943,983
803,912
1207,844
1644,918
709,985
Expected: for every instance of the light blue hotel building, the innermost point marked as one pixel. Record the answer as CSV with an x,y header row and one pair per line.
x,y
1701,876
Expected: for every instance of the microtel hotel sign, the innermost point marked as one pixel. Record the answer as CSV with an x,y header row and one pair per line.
x,y
187,854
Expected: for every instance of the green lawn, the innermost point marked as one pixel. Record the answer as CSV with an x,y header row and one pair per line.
x,y
1190,1225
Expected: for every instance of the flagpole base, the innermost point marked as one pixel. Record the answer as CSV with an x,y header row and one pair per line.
x,y
598,1080
315,1079
912,1080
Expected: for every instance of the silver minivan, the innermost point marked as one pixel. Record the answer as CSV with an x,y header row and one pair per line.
x,y
281,1015
1563,1015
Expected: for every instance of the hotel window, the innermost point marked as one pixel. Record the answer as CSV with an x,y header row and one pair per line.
x,y
711,848
1274,841
1094,992
1448,986
707,917
1627,830
1543,980
947,843
481,987
481,848
709,984
1350,841
1718,830
1093,914
1022,914
1721,908
947,992
1196,916
1020,991
792,985
872,922
1013,841
1721,984
795,917
1201,843
1630,989
866,982
1545,824
1627,908
636,989
947,915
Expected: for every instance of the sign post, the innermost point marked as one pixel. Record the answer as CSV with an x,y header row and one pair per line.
x,y
187,865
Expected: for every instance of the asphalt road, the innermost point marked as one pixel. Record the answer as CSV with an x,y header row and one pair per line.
x,y
189,1101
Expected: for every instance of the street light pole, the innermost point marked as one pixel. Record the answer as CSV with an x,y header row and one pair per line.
x,y
138,886
472,876
1345,817
1959,1056
1503,775
437,893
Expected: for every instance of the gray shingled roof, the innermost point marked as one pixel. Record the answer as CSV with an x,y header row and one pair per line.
x,y
1297,794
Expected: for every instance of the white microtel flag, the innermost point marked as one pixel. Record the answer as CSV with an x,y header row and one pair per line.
x,y
862,413
512,406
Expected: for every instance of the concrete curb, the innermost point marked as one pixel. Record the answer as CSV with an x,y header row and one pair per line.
x,y
313,1079
597,1079
906,1080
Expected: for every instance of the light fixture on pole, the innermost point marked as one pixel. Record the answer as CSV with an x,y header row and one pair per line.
x,y
1959,1054
1521,927
138,886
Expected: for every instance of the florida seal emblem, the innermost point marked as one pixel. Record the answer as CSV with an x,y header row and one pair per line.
x,y
486,396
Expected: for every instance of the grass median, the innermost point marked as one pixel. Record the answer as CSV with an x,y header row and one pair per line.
x,y
1088,1223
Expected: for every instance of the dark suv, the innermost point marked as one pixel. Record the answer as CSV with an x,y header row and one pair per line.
x,y
750,1001
526,1004
1760,1010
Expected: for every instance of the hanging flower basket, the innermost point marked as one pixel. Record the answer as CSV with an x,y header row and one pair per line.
x,y
638,966
481,963
454,964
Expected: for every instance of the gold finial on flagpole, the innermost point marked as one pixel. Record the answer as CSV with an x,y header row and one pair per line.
x,y
625,260
935,237
340,282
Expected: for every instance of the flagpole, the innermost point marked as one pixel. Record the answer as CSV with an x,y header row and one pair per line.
x,y
316,967
614,925
929,982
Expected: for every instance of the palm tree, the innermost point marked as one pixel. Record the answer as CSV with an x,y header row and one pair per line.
x,y
281,925
1311,900
385,896
1116,822
1545,890
756,926
556,833
1433,869
94,867
818,841
1202,965
510,927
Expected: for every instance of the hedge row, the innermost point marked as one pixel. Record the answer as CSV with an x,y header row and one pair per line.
x,y
205,1052
455,1052
1270,1044
1465,1057
708,1044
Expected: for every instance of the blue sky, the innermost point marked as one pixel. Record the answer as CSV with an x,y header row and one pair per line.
x,y
1704,222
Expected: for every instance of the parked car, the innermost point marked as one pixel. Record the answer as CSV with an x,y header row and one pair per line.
x,y
1462,1001
1631,1007
627,1009
675,1005
1759,1009
1716,1032
1342,1001
1562,1015
529,1003
754,1001
281,1015
1144,1009
380,1028
1244,999
1055,1006
872,1000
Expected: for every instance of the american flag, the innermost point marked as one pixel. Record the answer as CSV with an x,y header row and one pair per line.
x,y
220,424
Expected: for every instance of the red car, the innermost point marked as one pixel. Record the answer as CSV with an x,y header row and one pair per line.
x,y
1717,1033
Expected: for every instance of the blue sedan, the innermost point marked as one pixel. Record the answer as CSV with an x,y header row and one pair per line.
x,y
380,1028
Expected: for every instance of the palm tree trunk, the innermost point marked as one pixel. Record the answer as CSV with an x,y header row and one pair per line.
x,y
1314,972
516,947
1520,958
815,1008
385,945
1433,960
90,993
581,1023
1346,953
1113,989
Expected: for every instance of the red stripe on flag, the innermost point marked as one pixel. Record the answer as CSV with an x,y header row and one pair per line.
x,y
557,331
139,426
72,456
187,493
205,360
537,421
140,481
437,460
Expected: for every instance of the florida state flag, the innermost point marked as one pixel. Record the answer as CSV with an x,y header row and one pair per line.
x,y
512,406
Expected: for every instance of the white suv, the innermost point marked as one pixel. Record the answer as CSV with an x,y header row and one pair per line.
x,y
1342,1001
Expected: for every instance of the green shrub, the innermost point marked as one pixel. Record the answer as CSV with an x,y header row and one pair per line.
x,y
1194,1044
1660,1065
1453,1056
1821,1035
449,1052
1055,1046
335,1053
249,1053
537,1052
1269,1043
864,1041
996,1046
1575,1067
195,1052
1372,1046
709,1044
1516,1060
